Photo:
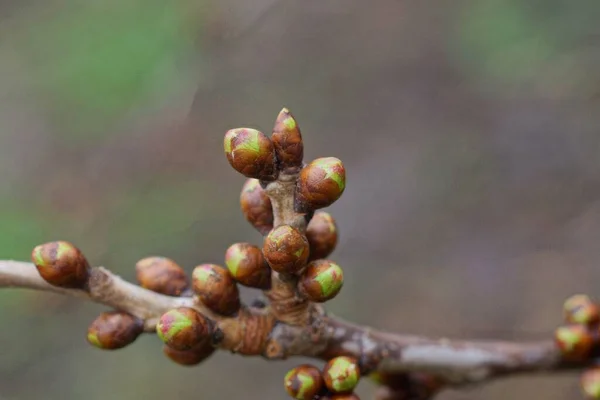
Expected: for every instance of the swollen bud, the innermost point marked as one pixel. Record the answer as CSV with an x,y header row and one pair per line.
x,y
114,330
286,249
321,281
161,275
184,328
580,309
190,357
216,288
574,341
256,206
590,383
341,374
287,141
320,184
303,382
61,264
322,235
248,266
250,153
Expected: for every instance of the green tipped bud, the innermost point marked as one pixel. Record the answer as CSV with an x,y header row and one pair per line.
x,y
190,357
321,281
248,266
256,206
287,141
184,328
161,275
341,374
580,309
114,330
303,382
320,184
250,153
216,288
286,249
61,264
322,235
590,383
574,341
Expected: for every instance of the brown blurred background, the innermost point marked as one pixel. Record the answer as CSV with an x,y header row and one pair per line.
x,y
469,130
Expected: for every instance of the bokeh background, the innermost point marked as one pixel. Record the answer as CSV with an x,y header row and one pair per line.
x,y
469,130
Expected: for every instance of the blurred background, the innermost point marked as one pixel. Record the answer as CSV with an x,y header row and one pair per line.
x,y
469,130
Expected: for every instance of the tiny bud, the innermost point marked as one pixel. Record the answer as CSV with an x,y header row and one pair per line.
x,y
321,281
574,341
256,206
61,264
590,383
184,328
216,288
248,266
303,382
320,184
287,140
161,275
286,249
190,357
341,374
580,309
322,235
114,330
250,153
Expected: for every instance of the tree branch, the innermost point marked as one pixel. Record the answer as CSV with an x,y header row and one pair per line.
x,y
458,362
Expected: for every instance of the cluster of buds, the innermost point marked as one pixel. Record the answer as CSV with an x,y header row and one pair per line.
x,y
579,339
336,381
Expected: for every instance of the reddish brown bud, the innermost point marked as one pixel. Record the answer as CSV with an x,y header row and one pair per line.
x,y
287,141
303,382
341,374
61,264
590,383
321,281
250,153
286,249
320,184
184,328
256,206
161,275
322,235
216,288
580,309
574,341
114,330
248,266
344,396
190,357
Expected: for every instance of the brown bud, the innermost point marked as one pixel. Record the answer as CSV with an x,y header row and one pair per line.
x,y
320,184
256,206
580,309
590,383
114,330
250,153
287,141
184,328
161,275
286,249
322,235
248,266
341,374
190,357
344,396
303,382
216,288
321,281
61,264
574,341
